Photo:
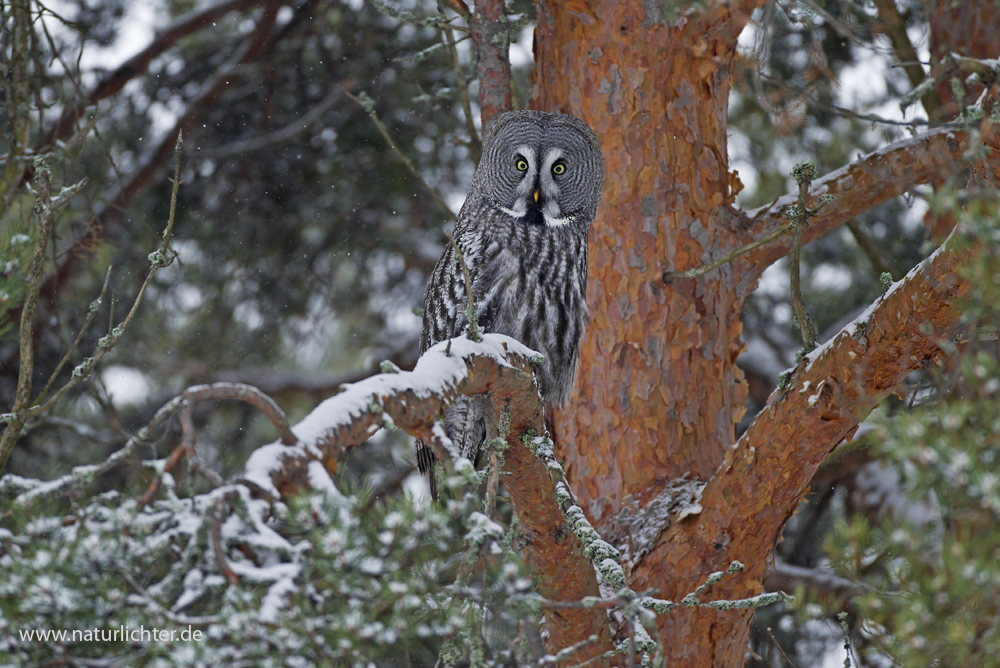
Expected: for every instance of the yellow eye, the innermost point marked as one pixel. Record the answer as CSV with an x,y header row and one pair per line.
x,y
522,165
558,169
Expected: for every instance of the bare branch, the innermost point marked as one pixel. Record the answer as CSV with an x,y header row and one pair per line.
x,y
799,215
91,314
894,27
475,145
875,255
162,257
154,485
248,394
764,476
45,205
824,585
470,311
873,179
218,548
703,269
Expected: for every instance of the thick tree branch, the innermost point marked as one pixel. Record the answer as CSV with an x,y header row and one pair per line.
x,y
873,179
745,505
415,401
492,40
836,386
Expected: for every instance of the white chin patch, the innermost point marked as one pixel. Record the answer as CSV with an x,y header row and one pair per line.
x,y
513,212
556,222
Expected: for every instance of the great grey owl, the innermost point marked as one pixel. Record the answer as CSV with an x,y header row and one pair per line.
x,y
523,236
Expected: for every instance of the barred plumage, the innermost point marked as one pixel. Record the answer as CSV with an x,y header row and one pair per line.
x,y
523,235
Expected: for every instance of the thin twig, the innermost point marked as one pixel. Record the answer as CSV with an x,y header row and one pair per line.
x,y
91,314
154,486
198,393
368,105
776,644
475,145
45,206
172,616
471,315
894,27
798,215
567,651
200,466
188,434
728,257
250,395
43,212
874,254
160,258
841,111
86,474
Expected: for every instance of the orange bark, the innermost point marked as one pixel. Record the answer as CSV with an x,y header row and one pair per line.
x,y
647,438
488,26
865,183
764,476
965,28
656,95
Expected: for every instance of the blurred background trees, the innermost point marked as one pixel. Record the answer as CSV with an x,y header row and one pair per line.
x,y
304,242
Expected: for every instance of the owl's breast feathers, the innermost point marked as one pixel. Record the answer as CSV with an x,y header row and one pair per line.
x,y
529,283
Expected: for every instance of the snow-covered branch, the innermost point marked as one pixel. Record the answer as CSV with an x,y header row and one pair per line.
x,y
859,186
744,506
824,399
415,402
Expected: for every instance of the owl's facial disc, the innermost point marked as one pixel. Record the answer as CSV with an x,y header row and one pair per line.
x,y
536,197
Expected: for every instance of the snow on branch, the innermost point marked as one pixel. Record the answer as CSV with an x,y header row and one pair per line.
x,y
824,399
414,401
859,186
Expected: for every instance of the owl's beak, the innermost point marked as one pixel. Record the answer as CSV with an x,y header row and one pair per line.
x,y
536,195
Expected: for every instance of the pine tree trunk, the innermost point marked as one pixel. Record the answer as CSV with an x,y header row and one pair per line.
x,y
648,438
658,392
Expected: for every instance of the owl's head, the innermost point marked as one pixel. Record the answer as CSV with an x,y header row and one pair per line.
x,y
542,168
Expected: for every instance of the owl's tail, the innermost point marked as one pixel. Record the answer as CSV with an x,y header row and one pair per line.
x,y
466,427
425,464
